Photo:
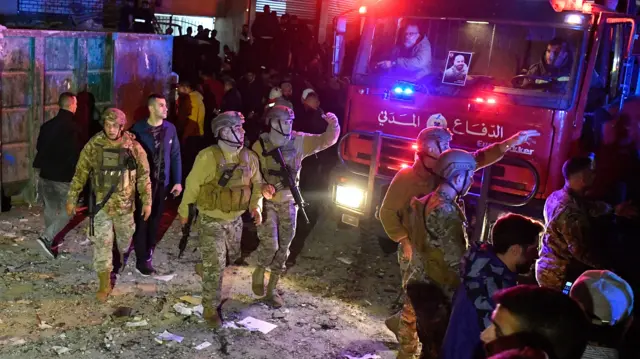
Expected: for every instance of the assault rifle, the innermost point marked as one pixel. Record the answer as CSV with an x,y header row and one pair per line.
x,y
289,178
92,207
186,229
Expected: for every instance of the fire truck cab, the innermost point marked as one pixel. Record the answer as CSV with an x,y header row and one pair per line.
x,y
485,70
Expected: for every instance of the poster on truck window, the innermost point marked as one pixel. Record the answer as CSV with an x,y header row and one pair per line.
x,y
457,68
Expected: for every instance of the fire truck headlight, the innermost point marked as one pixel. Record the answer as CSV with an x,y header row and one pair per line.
x,y
573,19
350,197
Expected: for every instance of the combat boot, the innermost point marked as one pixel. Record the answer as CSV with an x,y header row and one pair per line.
x,y
105,286
272,297
257,281
393,323
200,270
211,316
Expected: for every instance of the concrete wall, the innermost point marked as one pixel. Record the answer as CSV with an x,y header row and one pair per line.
x,y
229,24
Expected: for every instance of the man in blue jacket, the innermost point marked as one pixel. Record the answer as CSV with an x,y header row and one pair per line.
x,y
485,269
160,140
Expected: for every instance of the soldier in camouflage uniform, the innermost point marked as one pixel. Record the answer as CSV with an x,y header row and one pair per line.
x,y
569,246
116,164
279,227
418,181
437,227
224,183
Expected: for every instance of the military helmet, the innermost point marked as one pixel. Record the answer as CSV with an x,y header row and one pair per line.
x,y
114,115
226,119
433,133
279,112
454,160
281,101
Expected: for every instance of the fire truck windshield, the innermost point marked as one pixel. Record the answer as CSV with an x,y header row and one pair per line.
x,y
535,65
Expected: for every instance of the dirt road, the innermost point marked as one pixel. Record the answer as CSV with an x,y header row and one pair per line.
x,y
337,296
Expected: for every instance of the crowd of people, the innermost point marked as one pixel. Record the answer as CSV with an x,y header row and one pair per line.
x,y
243,123
468,300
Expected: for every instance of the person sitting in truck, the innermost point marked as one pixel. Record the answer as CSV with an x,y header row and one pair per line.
x,y
411,58
555,63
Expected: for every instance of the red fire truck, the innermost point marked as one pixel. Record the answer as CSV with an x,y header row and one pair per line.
x,y
496,41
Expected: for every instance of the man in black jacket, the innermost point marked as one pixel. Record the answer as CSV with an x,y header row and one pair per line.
x,y
58,151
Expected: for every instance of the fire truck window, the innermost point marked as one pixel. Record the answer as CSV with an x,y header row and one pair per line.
x,y
500,52
605,78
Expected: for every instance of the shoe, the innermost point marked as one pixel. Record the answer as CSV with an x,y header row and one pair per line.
x,y
212,317
257,281
272,298
393,323
105,286
200,270
46,245
145,271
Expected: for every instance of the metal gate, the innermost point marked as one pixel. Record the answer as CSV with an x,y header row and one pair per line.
x,y
37,66
303,9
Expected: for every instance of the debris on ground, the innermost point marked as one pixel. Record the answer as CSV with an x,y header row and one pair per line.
x,y
337,296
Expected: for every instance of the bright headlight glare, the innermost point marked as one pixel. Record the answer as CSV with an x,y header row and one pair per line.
x,y
350,197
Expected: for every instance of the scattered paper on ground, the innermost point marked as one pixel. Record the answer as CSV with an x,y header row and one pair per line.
x,y
170,336
366,356
182,309
203,345
141,323
165,278
345,260
252,323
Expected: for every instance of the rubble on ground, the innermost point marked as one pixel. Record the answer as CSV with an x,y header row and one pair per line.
x,y
337,296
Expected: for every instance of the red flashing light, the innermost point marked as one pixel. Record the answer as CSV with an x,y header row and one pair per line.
x,y
587,8
490,101
414,147
404,165
362,10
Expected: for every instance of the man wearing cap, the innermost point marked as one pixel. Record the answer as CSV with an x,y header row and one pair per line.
x,y
569,245
418,181
280,209
309,116
116,164
608,301
224,183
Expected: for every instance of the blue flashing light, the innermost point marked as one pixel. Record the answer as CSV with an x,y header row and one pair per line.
x,y
398,90
408,91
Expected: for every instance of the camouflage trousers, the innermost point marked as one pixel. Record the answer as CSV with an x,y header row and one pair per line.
x,y
276,233
218,239
424,319
104,228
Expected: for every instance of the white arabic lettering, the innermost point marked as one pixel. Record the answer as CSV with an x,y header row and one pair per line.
x,y
390,117
469,129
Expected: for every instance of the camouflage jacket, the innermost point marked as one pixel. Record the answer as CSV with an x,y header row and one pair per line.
x,y
300,146
437,253
123,198
568,236
416,181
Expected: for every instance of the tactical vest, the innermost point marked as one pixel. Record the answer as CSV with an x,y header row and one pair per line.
x,y
235,194
271,171
429,257
116,167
